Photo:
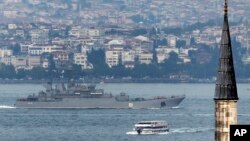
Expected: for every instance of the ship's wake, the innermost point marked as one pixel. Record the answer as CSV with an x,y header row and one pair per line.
x,y
176,130
190,130
6,107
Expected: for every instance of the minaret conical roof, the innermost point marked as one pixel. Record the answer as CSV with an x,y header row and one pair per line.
x,y
226,88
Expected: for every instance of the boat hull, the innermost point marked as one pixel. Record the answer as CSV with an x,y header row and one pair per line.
x,y
146,133
101,103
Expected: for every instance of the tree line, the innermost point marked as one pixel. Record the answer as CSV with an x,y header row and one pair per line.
x,y
171,66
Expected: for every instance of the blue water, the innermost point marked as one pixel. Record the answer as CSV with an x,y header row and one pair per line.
x,y
192,121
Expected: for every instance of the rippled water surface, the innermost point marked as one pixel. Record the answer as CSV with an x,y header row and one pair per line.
x,y
192,121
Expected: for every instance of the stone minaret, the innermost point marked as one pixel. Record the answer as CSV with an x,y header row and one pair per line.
x,y
226,96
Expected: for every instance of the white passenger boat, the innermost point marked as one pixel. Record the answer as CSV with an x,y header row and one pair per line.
x,y
150,127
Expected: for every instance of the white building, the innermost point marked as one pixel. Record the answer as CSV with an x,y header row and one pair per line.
x,y
162,53
40,36
33,61
5,52
185,58
75,31
111,58
19,61
25,47
81,59
128,56
6,60
10,13
20,32
12,26
172,40
4,31
25,62
146,58
137,50
16,61
161,57
38,50
58,41
76,41
45,63
114,55
85,49
91,32
116,42
84,32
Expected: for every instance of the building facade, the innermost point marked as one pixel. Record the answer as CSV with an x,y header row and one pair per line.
x,y
81,59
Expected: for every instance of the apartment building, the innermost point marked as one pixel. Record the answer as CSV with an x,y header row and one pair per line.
x,y
40,49
146,58
81,59
162,53
111,58
39,36
84,32
24,62
33,61
5,52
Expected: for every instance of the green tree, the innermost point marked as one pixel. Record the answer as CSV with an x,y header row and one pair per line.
x,y
7,71
21,73
171,65
55,33
192,41
137,18
207,69
137,32
145,70
52,71
97,58
180,43
77,71
119,71
37,73
67,29
16,48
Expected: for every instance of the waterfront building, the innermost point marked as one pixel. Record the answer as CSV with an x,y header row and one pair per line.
x,y
81,59
146,57
128,57
111,58
226,96
33,61
22,62
163,52
17,61
5,52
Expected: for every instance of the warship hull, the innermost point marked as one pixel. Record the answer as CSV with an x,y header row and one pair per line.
x,y
102,103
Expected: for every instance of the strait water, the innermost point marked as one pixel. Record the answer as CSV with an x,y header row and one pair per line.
x,y
192,121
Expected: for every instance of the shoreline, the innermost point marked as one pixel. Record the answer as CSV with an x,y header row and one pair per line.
x,y
101,81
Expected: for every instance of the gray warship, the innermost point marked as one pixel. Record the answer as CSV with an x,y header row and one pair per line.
x,y
77,95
